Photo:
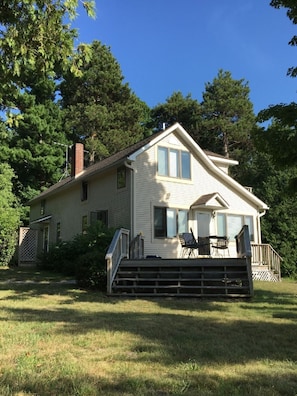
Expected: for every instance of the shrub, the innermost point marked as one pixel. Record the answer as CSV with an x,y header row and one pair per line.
x,y
83,257
9,215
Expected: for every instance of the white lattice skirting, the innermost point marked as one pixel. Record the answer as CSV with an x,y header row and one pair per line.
x,y
27,245
265,275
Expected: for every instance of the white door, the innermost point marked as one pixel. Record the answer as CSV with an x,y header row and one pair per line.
x,y
203,232
203,224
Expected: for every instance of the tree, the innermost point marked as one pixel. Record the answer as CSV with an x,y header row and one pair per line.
x,y
279,137
101,110
34,39
36,152
9,215
36,47
177,108
227,115
292,14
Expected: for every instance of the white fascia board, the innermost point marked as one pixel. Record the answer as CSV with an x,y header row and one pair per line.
x,y
223,161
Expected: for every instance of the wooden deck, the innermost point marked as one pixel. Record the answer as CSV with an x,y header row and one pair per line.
x,y
204,277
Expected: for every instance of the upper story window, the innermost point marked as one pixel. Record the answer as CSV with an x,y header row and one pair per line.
x,y
174,163
121,177
84,191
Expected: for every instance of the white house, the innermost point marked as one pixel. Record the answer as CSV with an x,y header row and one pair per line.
x,y
160,187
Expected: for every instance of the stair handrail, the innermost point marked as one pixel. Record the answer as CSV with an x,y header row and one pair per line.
x,y
264,254
118,249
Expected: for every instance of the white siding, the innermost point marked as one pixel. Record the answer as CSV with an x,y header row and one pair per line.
x,y
67,208
152,190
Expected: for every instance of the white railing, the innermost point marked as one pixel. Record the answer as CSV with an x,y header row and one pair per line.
x,y
118,249
264,255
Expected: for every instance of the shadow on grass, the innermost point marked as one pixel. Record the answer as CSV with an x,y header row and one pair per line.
x,y
178,337
190,383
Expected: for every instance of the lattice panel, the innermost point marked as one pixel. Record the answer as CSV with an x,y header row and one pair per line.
x,y
265,276
27,244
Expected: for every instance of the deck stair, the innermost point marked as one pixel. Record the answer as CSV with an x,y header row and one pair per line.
x,y
203,277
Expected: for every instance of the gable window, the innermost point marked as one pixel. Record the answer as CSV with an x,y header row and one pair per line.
x,y
174,163
169,222
84,191
231,224
121,177
99,215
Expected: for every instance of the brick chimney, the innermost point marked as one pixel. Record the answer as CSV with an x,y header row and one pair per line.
x,y
77,159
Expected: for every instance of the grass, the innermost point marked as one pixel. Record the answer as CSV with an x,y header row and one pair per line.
x,y
58,340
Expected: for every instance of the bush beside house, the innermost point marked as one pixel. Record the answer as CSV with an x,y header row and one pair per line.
x,y
83,257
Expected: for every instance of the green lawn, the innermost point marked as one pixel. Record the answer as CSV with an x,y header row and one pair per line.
x,y
58,340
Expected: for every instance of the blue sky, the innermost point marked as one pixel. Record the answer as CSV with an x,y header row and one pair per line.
x,y
165,46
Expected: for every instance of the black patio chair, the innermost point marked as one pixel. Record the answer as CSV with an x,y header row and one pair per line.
x,y
189,244
220,246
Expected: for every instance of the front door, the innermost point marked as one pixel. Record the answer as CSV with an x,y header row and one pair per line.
x,y
203,232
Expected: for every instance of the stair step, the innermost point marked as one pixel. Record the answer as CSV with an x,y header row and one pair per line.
x,y
183,277
188,295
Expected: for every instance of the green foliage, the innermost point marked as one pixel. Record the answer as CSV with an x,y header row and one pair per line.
x,y
34,39
292,15
34,155
279,139
177,108
101,110
279,227
227,115
82,257
9,215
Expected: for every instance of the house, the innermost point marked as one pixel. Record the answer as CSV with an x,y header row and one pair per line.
x,y
160,187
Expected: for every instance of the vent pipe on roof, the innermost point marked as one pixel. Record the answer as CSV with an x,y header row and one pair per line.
x,y
77,159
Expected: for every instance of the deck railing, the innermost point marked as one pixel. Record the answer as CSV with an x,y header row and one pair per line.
x,y
264,255
118,249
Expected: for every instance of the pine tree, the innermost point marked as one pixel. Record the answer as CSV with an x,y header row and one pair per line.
x,y
227,115
101,110
177,108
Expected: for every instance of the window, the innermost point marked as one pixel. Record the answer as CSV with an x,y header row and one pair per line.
x,y
121,177
84,224
231,224
174,163
99,215
58,233
168,222
45,238
84,191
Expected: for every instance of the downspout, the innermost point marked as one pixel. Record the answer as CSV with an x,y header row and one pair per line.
x,y
259,225
132,200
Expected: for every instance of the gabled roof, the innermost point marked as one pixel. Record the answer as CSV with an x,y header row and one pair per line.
x,y
130,154
211,201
